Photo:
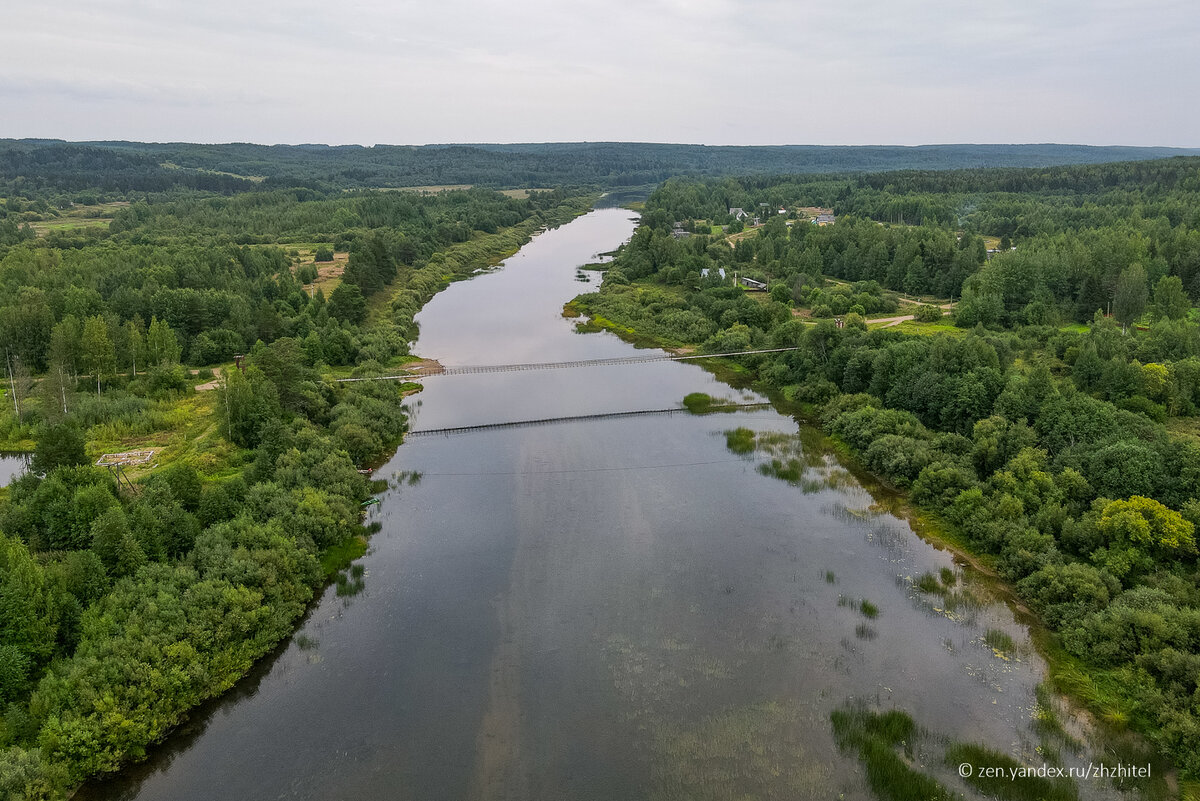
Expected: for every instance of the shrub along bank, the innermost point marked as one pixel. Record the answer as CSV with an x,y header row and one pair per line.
x,y
122,609
1061,451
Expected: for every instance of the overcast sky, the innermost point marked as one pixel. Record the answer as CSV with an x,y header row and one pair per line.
x,y
705,71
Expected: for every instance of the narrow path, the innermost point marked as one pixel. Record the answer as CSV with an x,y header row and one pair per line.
x,y
211,385
888,322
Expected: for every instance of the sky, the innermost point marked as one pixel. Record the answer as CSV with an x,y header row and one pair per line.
x,y
697,71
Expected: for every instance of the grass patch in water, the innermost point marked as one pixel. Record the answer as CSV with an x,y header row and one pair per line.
x,y
868,609
338,557
948,577
740,440
876,737
830,577
703,403
1007,786
927,582
999,640
349,585
790,471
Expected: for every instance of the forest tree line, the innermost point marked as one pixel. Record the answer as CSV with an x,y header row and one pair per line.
x,y
54,170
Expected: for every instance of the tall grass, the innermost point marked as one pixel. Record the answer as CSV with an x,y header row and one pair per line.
x,y
876,736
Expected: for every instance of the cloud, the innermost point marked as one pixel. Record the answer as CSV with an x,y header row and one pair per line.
x,y
714,71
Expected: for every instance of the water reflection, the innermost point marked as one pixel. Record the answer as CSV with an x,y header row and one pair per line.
x,y
12,466
659,606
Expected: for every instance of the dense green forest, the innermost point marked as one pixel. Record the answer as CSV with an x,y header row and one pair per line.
x,y
1046,416
53,170
1047,419
126,601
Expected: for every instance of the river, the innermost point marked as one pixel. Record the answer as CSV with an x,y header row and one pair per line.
x,y
605,609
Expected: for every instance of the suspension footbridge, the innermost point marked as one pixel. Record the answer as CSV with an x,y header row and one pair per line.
x,y
512,368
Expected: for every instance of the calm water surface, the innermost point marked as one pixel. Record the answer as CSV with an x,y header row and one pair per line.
x,y
12,465
606,609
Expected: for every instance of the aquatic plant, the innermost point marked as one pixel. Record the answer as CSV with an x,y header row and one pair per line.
x,y
999,640
740,440
927,583
876,736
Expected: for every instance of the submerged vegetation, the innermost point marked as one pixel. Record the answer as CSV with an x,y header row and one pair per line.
x,y
900,762
884,742
1047,422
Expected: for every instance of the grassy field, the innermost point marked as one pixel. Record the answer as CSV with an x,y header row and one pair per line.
x,y
521,194
1184,426
79,216
258,179
927,329
733,239
329,273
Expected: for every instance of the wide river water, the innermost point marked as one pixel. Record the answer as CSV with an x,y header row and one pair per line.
x,y
605,609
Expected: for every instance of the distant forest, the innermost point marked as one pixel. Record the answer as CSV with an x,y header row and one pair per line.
x,y
49,168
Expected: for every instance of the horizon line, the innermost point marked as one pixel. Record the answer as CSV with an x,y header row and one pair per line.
x,y
38,140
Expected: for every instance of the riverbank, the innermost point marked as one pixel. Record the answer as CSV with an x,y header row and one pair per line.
x,y
612,602
263,524
1100,697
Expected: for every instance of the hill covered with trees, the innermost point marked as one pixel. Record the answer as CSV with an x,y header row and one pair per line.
x,y
52,170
